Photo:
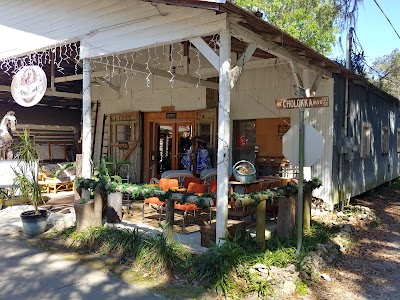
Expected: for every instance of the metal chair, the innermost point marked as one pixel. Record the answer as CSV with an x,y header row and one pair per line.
x,y
196,188
155,202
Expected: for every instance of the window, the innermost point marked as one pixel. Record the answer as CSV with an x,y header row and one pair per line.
x,y
398,140
385,140
244,140
365,140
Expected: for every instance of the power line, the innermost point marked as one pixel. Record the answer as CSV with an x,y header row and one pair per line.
x,y
387,18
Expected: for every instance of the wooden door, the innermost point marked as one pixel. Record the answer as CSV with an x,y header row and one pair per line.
x,y
171,140
124,144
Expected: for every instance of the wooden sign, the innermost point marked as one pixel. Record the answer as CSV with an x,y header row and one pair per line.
x,y
123,145
167,108
170,115
309,102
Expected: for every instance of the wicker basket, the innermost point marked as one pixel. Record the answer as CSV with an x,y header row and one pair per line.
x,y
240,175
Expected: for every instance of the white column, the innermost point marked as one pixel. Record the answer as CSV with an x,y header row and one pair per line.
x,y
224,134
86,119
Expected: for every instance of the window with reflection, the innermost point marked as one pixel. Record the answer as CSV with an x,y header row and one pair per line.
x,y
244,140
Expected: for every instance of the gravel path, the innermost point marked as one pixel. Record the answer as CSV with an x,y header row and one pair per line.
x,y
371,269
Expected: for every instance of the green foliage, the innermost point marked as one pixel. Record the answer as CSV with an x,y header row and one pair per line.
x,y
312,184
224,268
213,267
274,194
158,256
105,240
25,173
301,288
317,234
64,167
387,73
314,22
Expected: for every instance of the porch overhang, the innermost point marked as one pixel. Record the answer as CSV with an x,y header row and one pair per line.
x,y
105,28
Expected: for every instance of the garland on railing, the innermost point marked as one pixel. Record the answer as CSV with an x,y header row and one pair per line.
x,y
275,193
205,200
145,191
135,190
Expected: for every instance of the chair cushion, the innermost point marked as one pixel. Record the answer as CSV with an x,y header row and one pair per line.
x,y
154,200
197,188
188,180
167,183
186,206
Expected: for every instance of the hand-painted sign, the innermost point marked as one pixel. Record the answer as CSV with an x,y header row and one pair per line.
x,y
308,102
29,85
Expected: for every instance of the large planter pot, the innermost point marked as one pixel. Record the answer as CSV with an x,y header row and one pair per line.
x,y
33,223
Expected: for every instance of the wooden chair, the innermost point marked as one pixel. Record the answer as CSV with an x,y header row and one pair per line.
x,y
155,202
213,185
196,188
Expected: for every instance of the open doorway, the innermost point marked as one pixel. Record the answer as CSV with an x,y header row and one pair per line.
x,y
170,143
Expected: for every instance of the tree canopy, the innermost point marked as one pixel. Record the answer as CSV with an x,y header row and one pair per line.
x,y
314,22
386,73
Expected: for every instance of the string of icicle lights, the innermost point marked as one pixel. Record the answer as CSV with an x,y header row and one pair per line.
x,y
169,58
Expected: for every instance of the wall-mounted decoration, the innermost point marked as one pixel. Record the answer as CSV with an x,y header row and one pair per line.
x,y
29,85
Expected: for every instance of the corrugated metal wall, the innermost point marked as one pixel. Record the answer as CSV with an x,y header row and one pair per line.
x,y
366,105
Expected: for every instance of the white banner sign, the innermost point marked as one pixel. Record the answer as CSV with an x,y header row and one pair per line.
x,y
29,85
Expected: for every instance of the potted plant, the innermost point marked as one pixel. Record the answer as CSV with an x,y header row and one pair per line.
x,y
26,183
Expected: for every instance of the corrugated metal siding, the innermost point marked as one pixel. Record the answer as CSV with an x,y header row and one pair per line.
x,y
363,174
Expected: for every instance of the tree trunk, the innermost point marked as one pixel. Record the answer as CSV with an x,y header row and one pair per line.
x,y
307,210
84,215
98,208
78,173
286,224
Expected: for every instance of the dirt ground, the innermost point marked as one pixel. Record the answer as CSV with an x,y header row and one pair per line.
x,y
371,268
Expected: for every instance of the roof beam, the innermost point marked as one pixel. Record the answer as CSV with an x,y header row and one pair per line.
x,y
4,88
183,78
244,58
206,50
249,36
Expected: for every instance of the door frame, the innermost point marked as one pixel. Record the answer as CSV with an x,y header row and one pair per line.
x,y
175,142
150,119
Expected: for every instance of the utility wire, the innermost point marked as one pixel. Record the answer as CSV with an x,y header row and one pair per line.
x,y
387,18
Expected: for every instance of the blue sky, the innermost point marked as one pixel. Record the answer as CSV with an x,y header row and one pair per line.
x,y
374,32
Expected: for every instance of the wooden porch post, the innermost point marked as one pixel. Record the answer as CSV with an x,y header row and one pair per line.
x,y
86,123
224,136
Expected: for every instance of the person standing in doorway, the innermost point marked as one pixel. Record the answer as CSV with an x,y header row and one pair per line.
x,y
197,157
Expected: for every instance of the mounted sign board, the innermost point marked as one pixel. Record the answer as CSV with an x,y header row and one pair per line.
x,y
313,145
29,85
309,102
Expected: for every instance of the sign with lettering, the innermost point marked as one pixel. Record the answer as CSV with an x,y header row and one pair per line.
x,y
309,102
29,85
